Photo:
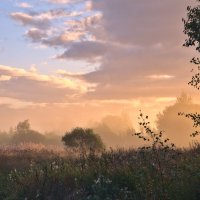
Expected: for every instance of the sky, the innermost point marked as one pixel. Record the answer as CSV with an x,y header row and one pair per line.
x,y
65,63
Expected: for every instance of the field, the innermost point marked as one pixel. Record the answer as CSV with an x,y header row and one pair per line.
x,y
84,72
38,172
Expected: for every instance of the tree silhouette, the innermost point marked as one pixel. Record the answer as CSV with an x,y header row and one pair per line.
x,y
83,139
192,30
192,27
24,134
177,128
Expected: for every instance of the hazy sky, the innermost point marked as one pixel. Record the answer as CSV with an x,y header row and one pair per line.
x,y
66,62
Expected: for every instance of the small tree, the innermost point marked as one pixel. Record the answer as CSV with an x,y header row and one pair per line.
x,y
80,138
24,134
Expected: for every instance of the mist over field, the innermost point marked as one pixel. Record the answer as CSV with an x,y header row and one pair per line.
x,y
115,130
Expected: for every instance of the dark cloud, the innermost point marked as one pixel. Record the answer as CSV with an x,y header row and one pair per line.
x,y
60,40
86,50
127,73
35,35
142,22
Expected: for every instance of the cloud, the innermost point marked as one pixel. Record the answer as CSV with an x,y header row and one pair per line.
x,y
24,5
60,1
141,22
35,87
137,44
5,78
160,77
30,20
166,99
15,103
58,27
64,1
61,40
52,14
41,20
36,34
87,50
65,73
144,45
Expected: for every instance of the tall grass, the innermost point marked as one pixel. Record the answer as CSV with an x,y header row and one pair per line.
x,y
115,174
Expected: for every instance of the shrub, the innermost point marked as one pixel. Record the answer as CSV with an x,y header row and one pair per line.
x,y
83,139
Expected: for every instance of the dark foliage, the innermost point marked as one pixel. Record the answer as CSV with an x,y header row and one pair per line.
x,y
83,139
195,117
192,27
192,30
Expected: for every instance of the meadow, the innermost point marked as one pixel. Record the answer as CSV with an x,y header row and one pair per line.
x,y
80,170
38,172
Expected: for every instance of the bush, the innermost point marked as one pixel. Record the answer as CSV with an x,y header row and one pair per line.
x,y
80,138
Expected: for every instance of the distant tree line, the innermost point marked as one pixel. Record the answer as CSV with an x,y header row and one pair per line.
x,y
23,133
111,131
